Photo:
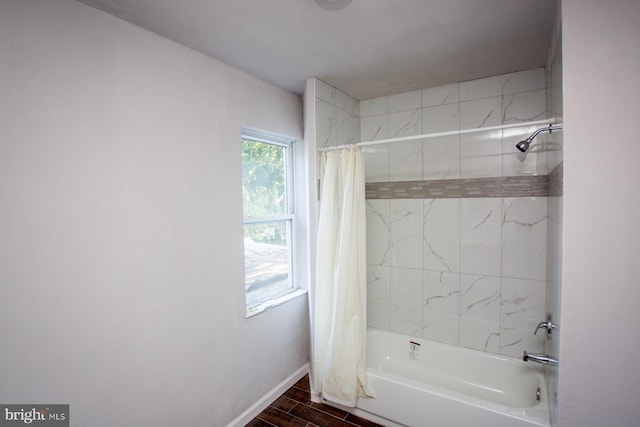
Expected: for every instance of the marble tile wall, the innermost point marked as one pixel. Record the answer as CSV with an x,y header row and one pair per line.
x,y
337,116
554,106
464,271
510,98
467,272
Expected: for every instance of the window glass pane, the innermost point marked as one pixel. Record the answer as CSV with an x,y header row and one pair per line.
x,y
266,260
263,179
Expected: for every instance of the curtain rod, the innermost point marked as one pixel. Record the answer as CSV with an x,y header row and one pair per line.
x,y
550,121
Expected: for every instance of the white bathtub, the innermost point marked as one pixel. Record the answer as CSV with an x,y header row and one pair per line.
x,y
435,384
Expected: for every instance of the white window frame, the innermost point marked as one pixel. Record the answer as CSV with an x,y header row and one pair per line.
x,y
290,217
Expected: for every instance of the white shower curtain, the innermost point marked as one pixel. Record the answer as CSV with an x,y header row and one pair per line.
x,y
339,313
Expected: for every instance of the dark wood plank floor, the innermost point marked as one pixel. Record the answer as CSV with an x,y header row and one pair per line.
x,y
295,409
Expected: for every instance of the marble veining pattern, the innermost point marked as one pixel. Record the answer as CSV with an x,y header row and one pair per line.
x,y
480,236
522,305
405,123
441,239
379,241
337,120
378,291
441,118
406,233
510,98
441,95
348,128
374,128
471,296
456,251
480,312
326,123
524,107
336,97
524,238
441,302
481,113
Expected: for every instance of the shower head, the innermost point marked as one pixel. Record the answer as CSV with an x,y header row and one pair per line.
x,y
524,145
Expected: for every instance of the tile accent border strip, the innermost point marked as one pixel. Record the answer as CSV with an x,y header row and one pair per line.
x,y
510,186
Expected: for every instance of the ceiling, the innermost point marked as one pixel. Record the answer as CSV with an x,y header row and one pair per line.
x,y
366,48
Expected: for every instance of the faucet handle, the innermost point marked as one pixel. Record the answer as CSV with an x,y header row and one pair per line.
x,y
548,325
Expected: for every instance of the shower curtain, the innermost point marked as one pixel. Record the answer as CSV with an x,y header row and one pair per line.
x,y
339,312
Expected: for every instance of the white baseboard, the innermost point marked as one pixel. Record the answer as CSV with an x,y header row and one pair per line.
x,y
268,398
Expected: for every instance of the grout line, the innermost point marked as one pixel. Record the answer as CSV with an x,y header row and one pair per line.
x,y
301,389
295,416
459,268
294,405
333,416
265,421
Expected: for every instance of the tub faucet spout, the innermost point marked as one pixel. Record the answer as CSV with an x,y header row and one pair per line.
x,y
545,359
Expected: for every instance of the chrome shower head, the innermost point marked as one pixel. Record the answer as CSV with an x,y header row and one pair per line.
x,y
523,145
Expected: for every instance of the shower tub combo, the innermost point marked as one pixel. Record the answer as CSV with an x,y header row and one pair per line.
x,y
417,382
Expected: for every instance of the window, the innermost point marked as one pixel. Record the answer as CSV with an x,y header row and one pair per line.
x,y
268,208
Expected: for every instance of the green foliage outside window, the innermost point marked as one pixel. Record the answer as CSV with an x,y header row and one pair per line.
x,y
263,188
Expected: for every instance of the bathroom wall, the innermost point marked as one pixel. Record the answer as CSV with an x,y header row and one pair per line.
x,y
554,209
599,379
121,258
465,271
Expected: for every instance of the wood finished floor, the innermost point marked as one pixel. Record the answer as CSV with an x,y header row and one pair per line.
x,y
295,409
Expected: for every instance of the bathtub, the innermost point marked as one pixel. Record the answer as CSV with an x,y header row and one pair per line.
x,y
417,382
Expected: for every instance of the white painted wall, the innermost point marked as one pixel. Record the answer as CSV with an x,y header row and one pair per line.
x,y
121,259
599,380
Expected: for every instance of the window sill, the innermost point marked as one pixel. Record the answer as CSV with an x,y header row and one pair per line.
x,y
260,308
